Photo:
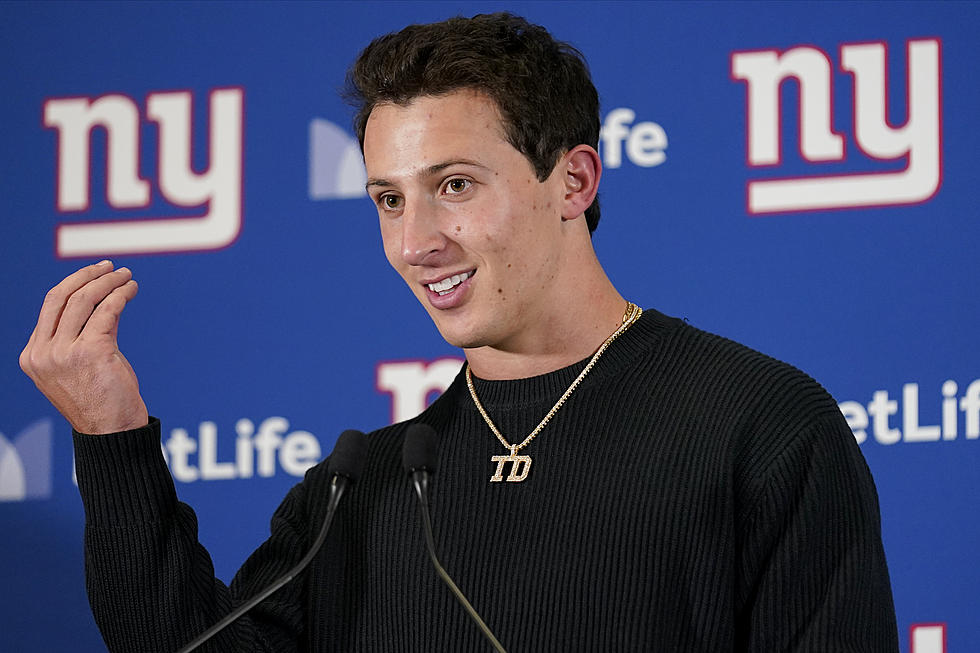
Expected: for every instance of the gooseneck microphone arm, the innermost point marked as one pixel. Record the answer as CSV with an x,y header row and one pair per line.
x,y
345,466
419,459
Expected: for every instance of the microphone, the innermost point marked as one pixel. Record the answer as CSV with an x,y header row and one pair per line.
x,y
419,457
345,467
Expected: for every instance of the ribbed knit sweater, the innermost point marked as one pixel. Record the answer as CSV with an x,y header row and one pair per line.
x,y
692,495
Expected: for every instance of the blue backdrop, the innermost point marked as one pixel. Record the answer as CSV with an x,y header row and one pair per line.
x,y
800,177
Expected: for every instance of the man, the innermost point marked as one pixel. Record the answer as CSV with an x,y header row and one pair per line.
x,y
608,480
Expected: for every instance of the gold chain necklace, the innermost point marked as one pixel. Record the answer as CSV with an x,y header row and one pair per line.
x,y
521,465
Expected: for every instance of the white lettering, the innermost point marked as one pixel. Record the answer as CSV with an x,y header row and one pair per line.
x,y
646,145
74,118
970,405
949,409
299,451
267,442
612,133
258,451
764,71
244,453
180,446
918,139
881,408
910,413
211,469
219,189
645,141
927,638
411,382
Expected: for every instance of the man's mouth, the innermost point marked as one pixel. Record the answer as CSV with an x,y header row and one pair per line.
x,y
447,285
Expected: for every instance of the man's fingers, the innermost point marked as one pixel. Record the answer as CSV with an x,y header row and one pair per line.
x,y
83,302
25,355
55,300
105,318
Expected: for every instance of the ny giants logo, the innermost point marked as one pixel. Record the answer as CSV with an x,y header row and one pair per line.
x,y
414,384
917,143
218,189
927,638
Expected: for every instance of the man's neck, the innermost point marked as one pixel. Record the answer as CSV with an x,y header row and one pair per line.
x,y
568,337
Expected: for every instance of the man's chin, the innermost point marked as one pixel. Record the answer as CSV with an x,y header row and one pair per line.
x,y
458,337
460,341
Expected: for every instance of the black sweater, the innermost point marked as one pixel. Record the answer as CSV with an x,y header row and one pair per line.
x,y
692,495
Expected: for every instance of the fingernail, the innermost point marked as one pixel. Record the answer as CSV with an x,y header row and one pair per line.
x,y
104,262
124,270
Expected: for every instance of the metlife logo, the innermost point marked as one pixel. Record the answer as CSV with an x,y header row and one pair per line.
x,y
886,420
644,143
25,463
336,167
261,449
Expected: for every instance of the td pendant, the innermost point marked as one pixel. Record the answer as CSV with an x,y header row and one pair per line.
x,y
519,468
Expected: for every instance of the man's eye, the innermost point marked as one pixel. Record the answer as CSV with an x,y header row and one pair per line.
x,y
455,186
391,202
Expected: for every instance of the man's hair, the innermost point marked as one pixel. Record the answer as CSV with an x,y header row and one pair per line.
x,y
540,85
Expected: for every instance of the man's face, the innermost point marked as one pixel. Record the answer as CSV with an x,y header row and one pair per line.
x,y
464,219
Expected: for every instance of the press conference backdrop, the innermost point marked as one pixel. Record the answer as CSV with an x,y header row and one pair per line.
x,y
800,177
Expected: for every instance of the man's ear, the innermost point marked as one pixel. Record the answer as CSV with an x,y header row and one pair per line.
x,y
582,169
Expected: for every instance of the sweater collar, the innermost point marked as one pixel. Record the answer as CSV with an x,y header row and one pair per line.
x,y
624,352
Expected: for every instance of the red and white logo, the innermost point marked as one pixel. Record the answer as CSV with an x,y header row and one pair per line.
x,y
917,143
414,384
218,189
927,638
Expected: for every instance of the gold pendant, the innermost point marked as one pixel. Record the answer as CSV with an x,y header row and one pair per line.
x,y
519,468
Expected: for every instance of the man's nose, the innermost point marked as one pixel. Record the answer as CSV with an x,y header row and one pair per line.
x,y
422,236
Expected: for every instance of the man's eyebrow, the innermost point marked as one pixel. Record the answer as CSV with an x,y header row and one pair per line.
x,y
377,182
438,167
425,172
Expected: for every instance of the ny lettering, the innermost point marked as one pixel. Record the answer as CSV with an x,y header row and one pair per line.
x,y
412,383
917,141
218,189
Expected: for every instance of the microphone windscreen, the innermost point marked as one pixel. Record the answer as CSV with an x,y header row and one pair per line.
x,y
348,455
419,449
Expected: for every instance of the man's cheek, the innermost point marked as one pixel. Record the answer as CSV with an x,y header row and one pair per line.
x,y
392,250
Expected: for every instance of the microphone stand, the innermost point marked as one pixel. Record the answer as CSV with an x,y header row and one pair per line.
x,y
420,480
338,484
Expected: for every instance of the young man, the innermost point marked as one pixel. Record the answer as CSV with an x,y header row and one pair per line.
x,y
608,480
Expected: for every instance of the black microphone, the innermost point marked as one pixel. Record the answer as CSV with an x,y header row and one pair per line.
x,y
345,467
419,457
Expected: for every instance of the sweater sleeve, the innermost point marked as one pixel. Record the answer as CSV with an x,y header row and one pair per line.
x,y
150,583
812,570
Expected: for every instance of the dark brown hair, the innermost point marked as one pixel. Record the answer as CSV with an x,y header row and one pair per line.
x,y
541,86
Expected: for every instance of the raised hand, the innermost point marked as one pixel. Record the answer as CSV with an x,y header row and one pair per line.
x,y
72,355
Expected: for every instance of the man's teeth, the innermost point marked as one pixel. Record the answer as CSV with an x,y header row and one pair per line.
x,y
446,285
